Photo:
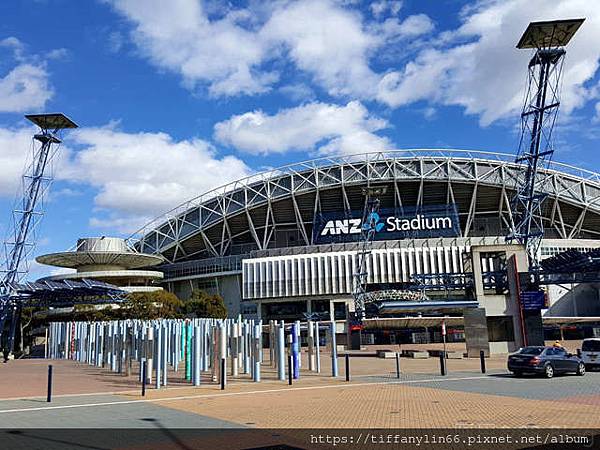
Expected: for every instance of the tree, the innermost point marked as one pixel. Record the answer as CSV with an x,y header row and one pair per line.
x,y
24,323
151,305
91,313
202,304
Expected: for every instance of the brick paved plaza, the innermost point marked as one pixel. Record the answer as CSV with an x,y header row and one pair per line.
x,y
88,397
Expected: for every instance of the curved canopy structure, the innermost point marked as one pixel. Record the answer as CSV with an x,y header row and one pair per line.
x,y
102,252
277,208
75,260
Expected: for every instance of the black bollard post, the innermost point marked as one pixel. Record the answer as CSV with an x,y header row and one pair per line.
x,y
442,364
49,397
482,359
347,367
397,365
144,375
290,371
223,374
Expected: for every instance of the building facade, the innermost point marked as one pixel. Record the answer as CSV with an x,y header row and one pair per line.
x,y
283,243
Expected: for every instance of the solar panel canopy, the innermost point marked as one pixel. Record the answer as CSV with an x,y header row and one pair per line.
x,y
555,33
55,121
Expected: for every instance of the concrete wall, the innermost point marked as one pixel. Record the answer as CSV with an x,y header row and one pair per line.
x,y
230,290
500,304
228,287
582,300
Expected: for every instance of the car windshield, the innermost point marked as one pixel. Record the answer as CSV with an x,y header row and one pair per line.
x,y
531,350
590,346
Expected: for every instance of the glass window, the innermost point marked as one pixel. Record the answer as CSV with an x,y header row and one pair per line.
x,y
590,346
560,352
339,310
531,351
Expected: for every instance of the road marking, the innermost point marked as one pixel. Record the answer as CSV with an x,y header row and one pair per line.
x,y
232,394
131,390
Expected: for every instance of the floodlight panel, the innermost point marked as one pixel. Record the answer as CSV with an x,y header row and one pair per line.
x,y
56,121
554,33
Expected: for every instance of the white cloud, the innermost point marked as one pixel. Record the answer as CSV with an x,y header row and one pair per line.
x,y
139,175
115,41
232,50
25,86
177,35
327,41
298,92
477,66
17,47
315,126
15,146
392,30
380,7
248,50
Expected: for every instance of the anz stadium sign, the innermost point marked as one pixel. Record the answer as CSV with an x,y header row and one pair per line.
x,y
389,224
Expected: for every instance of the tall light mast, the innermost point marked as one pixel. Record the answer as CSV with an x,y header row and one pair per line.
x,y
538,117
26,216
369,226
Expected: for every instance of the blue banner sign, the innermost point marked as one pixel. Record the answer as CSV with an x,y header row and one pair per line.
x,y
389,224
532,300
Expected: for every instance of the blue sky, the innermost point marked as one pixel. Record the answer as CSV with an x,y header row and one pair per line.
x,y
176,97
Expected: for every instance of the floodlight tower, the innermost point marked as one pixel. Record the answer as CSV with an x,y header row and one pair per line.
x,y
370,223
540,110
27,215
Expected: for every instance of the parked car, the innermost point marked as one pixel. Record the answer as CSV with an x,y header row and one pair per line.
x,y
590,352
547,361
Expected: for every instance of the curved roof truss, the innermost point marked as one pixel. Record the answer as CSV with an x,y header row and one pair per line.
x,y
573,186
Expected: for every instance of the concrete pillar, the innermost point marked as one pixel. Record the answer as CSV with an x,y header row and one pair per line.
x,y
476,332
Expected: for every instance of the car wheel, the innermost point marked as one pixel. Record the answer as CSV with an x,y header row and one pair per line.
x,y
580,369
548,371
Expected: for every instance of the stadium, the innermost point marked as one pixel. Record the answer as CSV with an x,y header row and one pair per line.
x,y
283,243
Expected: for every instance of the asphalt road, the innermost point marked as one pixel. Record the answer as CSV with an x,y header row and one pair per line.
x,y
528,386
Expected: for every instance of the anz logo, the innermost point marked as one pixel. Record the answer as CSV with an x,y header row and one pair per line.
x,y
353,226
344,226
373,223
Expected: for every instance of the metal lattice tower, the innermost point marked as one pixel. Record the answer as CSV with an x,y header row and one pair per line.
x,y
542,101
26,216
370,226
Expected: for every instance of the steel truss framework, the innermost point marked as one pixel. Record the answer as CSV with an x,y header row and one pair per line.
x,y
536,147
27,215
223,209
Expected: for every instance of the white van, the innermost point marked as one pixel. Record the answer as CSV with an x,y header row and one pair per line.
x,y
590,352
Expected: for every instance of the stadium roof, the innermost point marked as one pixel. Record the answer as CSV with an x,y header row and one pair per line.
x,y
478,182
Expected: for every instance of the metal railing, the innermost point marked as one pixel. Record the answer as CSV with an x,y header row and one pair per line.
x,y
222,264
